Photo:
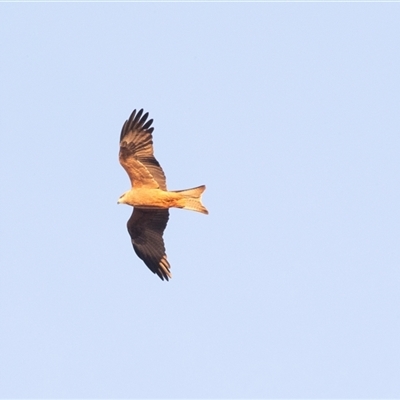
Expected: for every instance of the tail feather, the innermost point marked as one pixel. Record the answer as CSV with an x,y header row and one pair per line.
x,y
191,199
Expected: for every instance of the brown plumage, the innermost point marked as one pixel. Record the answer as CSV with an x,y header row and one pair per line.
x,y
148,194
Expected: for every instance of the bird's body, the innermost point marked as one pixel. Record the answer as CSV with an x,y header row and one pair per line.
x,y
163,199
150,198
149,195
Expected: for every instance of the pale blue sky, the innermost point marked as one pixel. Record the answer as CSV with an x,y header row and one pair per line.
x,y
289,113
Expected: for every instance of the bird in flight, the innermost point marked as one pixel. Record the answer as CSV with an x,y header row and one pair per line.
x,y
148,195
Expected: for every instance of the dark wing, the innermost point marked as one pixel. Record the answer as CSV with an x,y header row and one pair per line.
x,y
146,228
136,153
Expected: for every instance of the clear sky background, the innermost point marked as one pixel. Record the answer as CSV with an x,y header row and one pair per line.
x,y
289,113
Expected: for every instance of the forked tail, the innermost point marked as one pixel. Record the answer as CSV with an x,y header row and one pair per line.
x,y
191,199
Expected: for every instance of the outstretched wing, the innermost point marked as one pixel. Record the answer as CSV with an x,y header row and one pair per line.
x,y
136,153
146,228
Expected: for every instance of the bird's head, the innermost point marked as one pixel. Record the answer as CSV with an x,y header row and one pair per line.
x,y
122,199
